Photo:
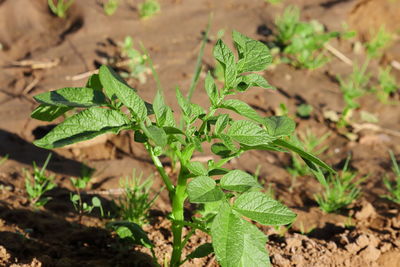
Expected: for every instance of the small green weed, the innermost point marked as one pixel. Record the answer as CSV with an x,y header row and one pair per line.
x,y
303,41
136,61
60,7
80,184
387,84
378,43
393,187
304,110
149,8
135,202
353,87
312,144
340,190
110,7
39,184
274,2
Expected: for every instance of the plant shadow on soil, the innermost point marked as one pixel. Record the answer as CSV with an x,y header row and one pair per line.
x,y
24,152
49,236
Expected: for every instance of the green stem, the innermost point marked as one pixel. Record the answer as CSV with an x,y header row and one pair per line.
x,y
160,169
178,201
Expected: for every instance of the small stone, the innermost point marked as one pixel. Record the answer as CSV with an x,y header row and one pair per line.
x,y
367,211
385,247
298,260
352,248
331,245
293,242
362,241
370,254
278,260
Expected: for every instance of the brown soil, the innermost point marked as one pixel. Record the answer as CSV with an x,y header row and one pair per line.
x,y
367,234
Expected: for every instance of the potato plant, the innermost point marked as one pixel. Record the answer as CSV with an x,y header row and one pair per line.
x,y
233,197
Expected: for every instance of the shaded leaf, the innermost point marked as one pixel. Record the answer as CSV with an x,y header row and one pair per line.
x,y
201,251
252,79
48,113
72,97
156,134
204,189
238,181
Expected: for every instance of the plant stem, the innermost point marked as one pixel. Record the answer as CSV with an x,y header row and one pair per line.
x,y
178,201
160,169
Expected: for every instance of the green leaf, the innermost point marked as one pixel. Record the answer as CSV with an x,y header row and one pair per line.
x,y
242,108
220,149
203,189
310,159
83,126
253,55
94,82
236,242
261,208
201,251
279,125
160,109
228,142
252,79
140,137
225,56
115,85
156,134
227,237
218,171
131,232
249,133
221,123
238,181
254,252
96,202
48,113
183,103
211,89
197,168
172,130
72,97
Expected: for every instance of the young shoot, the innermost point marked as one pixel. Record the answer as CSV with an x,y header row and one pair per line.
x,y
136,61
339,190
135,202
378,43
109,104
312,144
387,84
38,184
393,186
353,87
79,185
148,8
303,42
110,7
60,7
